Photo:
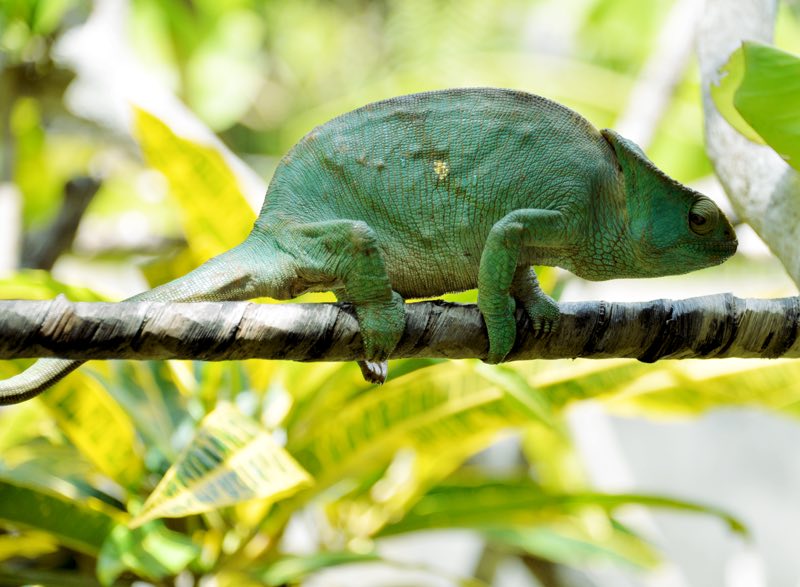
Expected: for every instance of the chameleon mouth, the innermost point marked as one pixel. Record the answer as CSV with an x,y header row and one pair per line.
x,y
723,249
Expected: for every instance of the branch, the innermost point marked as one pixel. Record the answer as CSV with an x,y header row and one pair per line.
x,y
659,77
41,249
762,187
706,327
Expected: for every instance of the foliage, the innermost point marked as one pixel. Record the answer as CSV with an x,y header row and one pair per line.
x,y
760,97
147,471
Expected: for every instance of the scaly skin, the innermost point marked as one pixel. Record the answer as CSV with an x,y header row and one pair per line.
x,y
444,191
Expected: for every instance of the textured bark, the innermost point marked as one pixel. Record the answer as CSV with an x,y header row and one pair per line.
x,y
762,187
705,327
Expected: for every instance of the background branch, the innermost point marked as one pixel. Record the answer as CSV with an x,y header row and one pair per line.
x,y
762,187
705,327
42,248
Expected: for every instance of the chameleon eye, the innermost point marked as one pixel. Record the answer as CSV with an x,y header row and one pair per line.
x,y
703,216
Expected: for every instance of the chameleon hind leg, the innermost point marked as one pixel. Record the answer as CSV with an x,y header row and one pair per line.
x,y
347,251
503,276
371,371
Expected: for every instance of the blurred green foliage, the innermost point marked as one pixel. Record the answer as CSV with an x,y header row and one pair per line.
x,y
235,452
760,96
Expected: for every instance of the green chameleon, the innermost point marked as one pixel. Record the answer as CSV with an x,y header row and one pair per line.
x,y
444,191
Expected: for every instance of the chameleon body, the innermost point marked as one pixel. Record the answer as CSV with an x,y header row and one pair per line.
x,y
444,191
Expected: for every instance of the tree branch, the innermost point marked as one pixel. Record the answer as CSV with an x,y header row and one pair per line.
x,y
41,249
762,187
706,327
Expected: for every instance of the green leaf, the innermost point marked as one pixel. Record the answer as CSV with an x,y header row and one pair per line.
x,y
431,409
292,569
29,544
98,426
203,185
152,551
79,524
567,543
724,92
766,84
231,459
478,502
35,284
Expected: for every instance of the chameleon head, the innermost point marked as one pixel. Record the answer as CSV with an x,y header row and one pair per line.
x,y
672,228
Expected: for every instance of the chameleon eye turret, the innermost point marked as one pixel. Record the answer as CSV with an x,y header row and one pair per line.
x,y
703,216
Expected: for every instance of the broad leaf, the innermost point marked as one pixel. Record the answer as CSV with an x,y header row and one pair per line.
x,y
478,502
231,459
429,408
98,426
567,543
763,84
28,544
152,551
82,525
292,569
203,184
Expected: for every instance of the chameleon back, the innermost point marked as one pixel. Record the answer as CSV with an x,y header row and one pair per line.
x,y
432,173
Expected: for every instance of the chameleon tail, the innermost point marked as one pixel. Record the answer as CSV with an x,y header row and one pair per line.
x,y
233,275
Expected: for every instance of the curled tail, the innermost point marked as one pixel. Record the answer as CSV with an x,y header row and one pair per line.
x,y
238,274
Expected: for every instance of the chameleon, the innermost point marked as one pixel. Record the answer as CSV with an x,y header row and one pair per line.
x,y
443,191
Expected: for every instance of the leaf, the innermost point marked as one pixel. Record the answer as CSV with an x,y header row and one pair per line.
x,y
82,525
151,551
477,502
98,426
231,459
724,92
292,569
29,544
203,185
35,284
431,408
568,544
766,84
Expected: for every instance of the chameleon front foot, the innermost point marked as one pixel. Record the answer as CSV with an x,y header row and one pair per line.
x,y
501,328
501,324
544,314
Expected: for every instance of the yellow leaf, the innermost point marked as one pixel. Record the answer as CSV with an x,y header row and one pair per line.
x,y
231,459
214,212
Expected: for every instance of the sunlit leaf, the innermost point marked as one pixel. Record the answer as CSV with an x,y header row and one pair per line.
x,y
724,92
34,284
425,408
476,502
152,551
567,543
97,425
292,569
764,83
203,184
231,459
29,544
82,525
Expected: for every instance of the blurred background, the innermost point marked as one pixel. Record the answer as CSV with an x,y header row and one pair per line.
x,y
138,137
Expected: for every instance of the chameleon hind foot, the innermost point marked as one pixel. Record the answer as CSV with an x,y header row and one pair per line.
x,y
381,324
374,372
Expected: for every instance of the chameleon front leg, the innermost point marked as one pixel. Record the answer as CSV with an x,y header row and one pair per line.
x,y
347,251
502,275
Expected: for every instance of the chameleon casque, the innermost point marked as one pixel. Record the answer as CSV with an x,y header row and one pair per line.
x,y
444,191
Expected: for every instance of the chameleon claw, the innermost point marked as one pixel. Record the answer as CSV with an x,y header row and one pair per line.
x,y
374,372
